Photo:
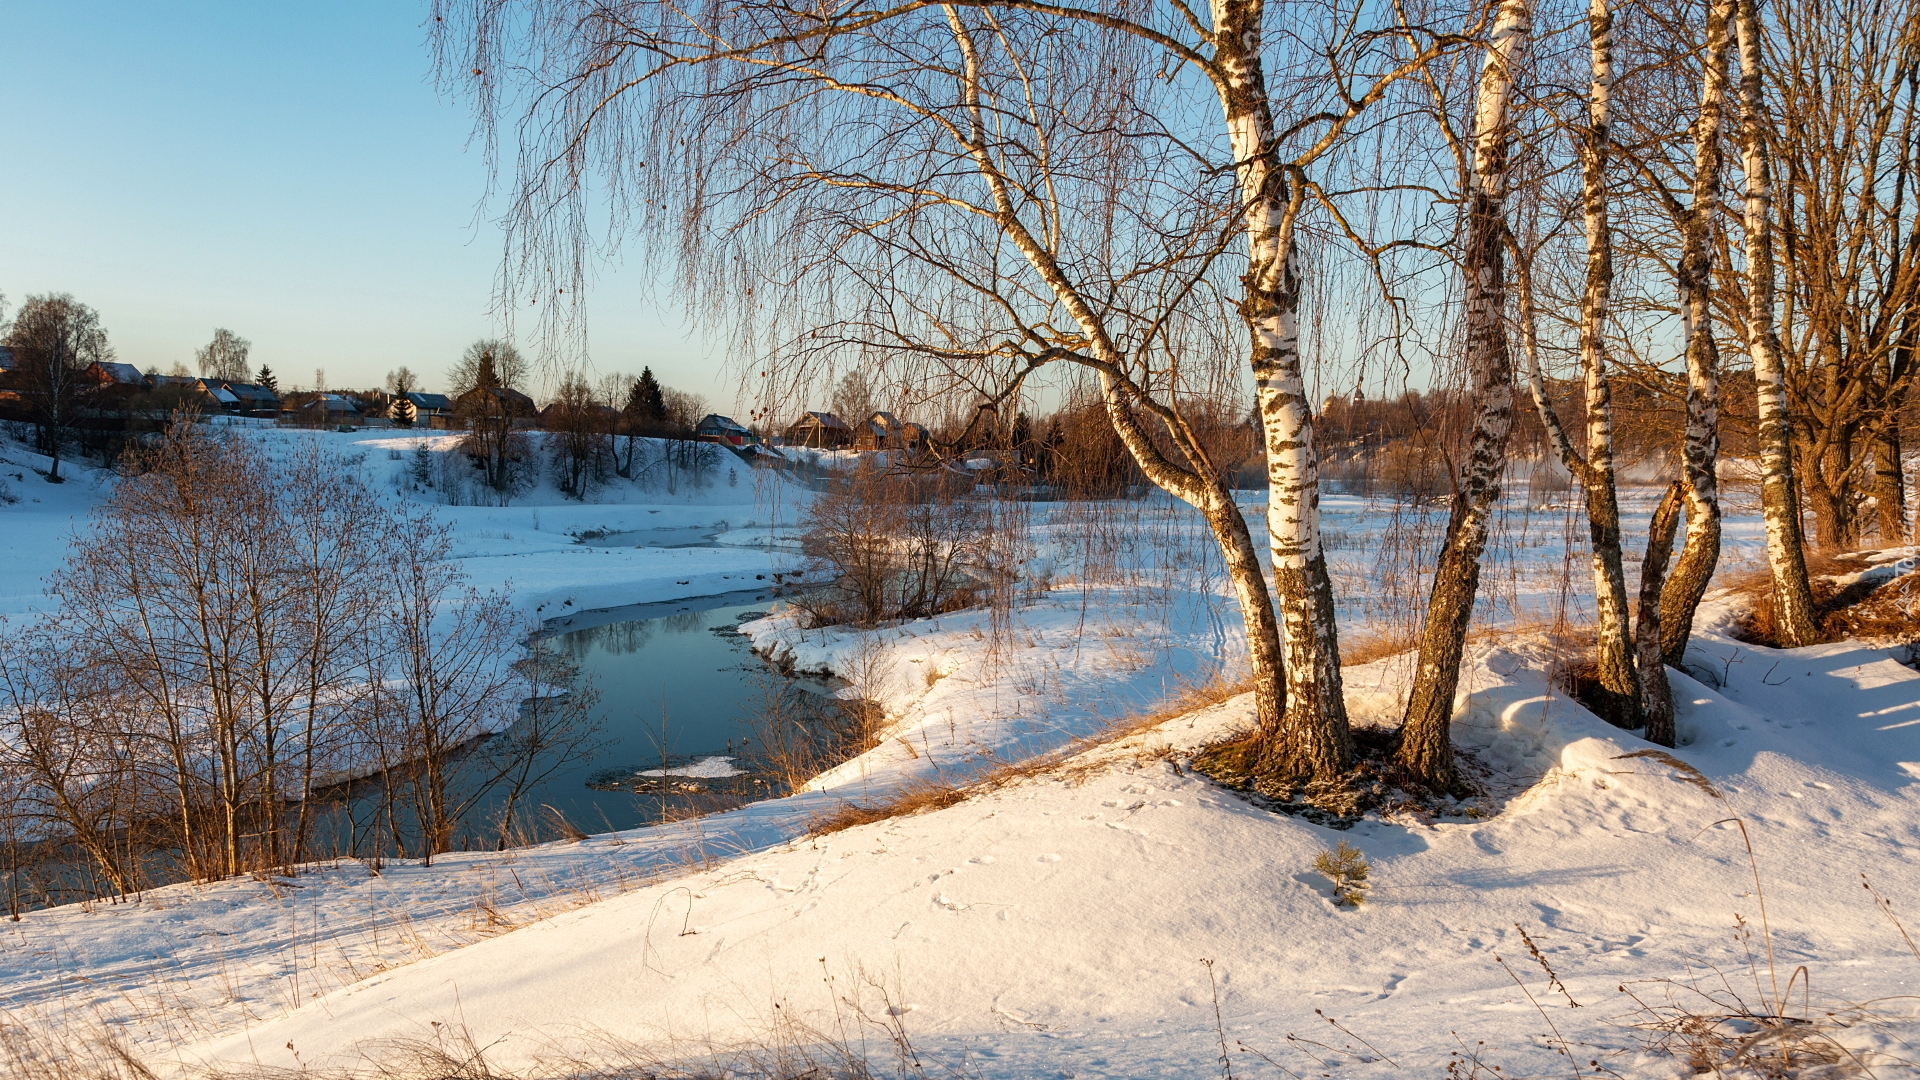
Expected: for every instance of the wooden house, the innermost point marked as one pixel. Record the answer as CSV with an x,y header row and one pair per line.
x,y
252,399
819,431
494,400
724,430
885,431
329,409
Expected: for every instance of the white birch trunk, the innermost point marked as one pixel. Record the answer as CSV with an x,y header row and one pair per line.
x,y
1620,689
1315,740
1426,742
1701,448
1207,493
1779,499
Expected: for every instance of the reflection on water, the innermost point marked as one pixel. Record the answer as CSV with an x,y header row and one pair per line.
x,y
682,701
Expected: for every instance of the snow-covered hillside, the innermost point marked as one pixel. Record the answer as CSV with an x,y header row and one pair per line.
x,y
1087,919
1059,925
530,547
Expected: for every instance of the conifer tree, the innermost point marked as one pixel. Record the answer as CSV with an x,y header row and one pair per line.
x,y
647,403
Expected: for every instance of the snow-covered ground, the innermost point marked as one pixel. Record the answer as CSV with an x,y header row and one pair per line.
x,y
1062,924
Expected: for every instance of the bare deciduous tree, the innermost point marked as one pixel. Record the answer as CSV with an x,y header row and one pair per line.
x,y
54,339
972,193
224,359
1779,495
485,383
237,632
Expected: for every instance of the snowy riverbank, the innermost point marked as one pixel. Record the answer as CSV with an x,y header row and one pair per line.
x,y
1057,925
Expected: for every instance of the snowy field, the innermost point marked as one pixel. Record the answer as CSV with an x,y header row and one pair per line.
x,y
1092,919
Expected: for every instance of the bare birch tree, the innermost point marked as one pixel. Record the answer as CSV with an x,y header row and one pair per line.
x,y
1425,747
55,338
1840,83
225,357
1793,614
1619,696
987,188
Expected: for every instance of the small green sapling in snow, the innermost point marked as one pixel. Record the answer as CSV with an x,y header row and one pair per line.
x,y
1346,869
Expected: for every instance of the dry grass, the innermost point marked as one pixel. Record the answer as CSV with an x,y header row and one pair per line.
x,y
864,1039
1887,613
1368,645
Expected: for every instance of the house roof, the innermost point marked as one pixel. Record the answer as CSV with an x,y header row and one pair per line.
x,y
220,393
823,419
125,374
432,402
252,392
177,380
517,402
333,403
716,422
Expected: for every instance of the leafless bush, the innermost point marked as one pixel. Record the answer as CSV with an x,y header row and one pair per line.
x,y
234,636
895,545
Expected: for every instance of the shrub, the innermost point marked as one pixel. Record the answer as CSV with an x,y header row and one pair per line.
x,y
894,546
1345,868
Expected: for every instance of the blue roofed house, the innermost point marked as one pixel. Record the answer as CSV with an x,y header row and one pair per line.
x,y
724,429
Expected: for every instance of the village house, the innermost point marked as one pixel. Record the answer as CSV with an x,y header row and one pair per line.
x,y
107,373
431,410
885,431
819,431
326,410
512,402
724,430
252,399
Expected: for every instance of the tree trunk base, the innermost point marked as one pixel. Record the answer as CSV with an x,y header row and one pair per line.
x,y
1375,783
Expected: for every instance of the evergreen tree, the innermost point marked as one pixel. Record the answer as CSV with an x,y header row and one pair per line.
x,y
403,412
646,402
266,378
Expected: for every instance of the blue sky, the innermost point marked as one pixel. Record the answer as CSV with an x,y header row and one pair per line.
x,y
286,170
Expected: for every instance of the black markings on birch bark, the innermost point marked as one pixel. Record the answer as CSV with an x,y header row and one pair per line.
x,y
1618,697
1779,500
1700,452
1313,739
1425,747
1656,699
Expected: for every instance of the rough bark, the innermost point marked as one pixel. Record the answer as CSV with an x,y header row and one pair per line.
x,y
1700,450
1889,475
1656,693
1202,487
1603,525
1779,501
1425,744
1314,737
1619,687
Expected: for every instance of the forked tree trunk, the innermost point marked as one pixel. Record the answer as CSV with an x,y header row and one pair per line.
x,y
1656,700
1700,450
1425,745
1835,516
1314,740
1779,501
